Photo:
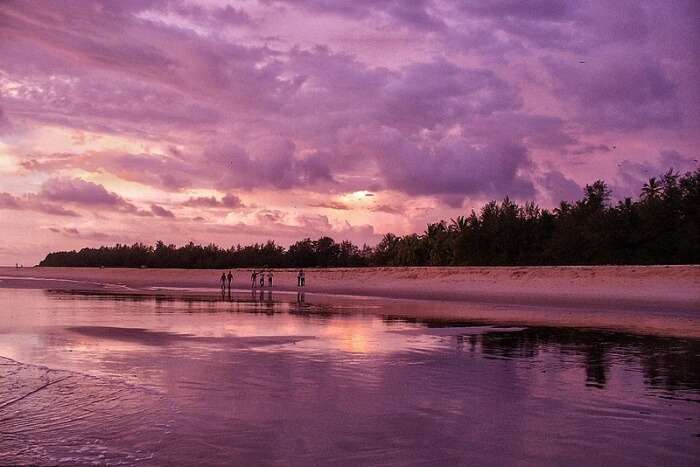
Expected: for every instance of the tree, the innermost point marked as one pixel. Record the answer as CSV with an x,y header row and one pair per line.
x,y
662,226
651,190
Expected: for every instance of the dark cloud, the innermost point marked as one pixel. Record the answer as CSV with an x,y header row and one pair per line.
x,y
331,205
415,14
619,92
451,166
216,17
590,149
232,201
268,162
202,202
440,92
229,201
559,187
549,10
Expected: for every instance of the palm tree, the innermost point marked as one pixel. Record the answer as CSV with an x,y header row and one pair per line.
x,y
651,189
459,225
434,241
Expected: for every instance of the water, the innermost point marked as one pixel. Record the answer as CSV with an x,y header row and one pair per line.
x,y
100,379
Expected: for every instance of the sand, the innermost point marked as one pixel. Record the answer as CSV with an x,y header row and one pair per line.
x,y
617,287
656,300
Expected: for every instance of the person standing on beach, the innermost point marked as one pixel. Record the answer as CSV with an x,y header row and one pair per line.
x,y
253,277
269,278
303,278
262,279
299,278
223,282
229,278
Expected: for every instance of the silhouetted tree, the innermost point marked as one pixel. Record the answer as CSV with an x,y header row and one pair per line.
x,y
663,226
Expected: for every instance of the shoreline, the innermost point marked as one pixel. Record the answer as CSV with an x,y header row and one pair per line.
x,y
656,300
610,287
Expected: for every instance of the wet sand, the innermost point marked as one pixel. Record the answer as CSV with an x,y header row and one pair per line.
x,y
674,287
646,299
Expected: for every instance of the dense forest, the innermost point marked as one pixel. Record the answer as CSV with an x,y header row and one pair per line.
x,y
661,227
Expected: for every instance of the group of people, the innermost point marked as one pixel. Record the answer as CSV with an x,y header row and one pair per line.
x,y
254,278
257,278
224,278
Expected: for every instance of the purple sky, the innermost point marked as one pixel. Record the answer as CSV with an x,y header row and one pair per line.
x,y
239,121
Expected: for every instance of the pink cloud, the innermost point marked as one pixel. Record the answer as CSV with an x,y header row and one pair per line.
x,y
32,202
160,211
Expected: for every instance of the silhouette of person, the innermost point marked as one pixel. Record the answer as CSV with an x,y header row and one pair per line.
x,y
303,278
299,278
262,278
229,277
269,279
223,283
253,277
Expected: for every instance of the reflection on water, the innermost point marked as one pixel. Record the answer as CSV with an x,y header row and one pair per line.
x,y
282,378
666,363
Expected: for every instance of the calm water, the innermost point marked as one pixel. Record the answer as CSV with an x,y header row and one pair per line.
x,y
268,380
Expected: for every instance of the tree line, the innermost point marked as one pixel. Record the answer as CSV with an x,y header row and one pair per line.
x,y
662,226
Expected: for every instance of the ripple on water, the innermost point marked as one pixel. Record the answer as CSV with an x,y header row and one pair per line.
x,y
59,417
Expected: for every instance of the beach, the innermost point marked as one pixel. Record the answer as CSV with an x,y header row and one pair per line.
x,y
656,299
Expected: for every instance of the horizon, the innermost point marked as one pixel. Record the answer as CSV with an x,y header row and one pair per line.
x,y
235,122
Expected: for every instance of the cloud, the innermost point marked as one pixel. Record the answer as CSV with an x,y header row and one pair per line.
x,y
229,201
267,162
559,187
415,14
331,205
213,17
618,91
590,149
232,201
73,232
76,190
202,202
631,175
5,125
269,216
451,166
7,201
161,211
85,194
386,208
32,202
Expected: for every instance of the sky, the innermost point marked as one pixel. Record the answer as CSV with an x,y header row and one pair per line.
x,y
241,121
